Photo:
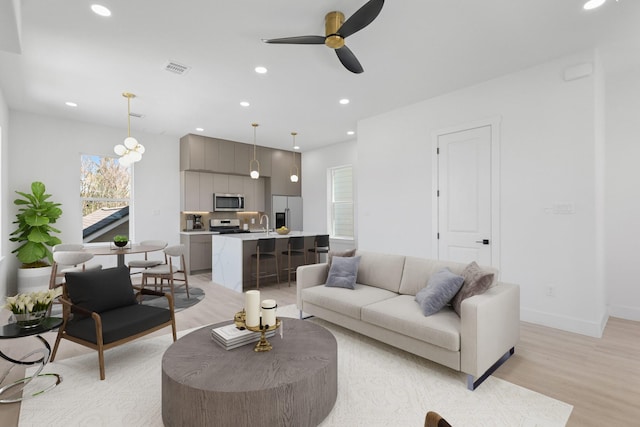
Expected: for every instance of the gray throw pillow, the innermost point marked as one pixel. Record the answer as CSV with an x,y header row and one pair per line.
x,y
348,253
441,287
343,272
476,282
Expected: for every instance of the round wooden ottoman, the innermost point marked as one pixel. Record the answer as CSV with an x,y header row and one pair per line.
x,y
294,384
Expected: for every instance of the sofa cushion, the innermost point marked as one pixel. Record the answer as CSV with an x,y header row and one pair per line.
x,y
343,272
443,285
402,315
345,301
381,270
418,270
476,281
348,253
100,290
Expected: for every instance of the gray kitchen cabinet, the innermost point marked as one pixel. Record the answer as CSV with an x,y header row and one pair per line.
x,y
236,185
282,162
190,183
220,183
226,156
206,192
198,252
254,194
243,154
192,152
264,154
211,154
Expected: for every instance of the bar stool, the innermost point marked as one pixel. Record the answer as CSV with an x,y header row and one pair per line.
x,y
295,247
265,249
320,246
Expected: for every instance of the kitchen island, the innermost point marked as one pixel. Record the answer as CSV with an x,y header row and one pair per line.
x,y
231,256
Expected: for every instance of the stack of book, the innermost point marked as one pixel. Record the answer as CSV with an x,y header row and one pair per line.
x,y
230,337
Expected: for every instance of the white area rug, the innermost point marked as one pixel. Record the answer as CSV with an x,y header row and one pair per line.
x,y
378,385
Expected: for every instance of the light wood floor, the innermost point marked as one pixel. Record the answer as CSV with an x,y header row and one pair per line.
x,y
599,377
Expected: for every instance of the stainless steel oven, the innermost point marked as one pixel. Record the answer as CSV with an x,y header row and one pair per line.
x,y
228,202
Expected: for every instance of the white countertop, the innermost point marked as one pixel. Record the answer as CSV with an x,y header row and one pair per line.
x,y
263,235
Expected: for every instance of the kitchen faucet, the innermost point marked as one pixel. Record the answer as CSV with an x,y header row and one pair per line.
x,y
267,218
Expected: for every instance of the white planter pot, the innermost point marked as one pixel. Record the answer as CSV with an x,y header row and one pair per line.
x,y
33,279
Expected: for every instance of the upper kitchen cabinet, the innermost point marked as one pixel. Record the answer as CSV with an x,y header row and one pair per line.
x,y
197,191
192,152
243,155
264,154
282,162
226,156
254,192
198,153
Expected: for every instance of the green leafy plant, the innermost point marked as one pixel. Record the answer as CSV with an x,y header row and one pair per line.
x,y
120,238
34,219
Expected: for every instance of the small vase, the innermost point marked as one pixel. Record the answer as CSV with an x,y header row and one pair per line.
x,y
30,320
120,244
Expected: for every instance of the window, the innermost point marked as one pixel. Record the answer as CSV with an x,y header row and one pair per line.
x,y
341,215
105,193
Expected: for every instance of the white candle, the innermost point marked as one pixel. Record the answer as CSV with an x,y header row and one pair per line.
x,y
252,308
269,312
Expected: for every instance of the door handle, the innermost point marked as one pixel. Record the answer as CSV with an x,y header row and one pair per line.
x,y
483,241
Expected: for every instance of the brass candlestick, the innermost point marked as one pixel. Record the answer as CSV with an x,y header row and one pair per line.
x,y
263,344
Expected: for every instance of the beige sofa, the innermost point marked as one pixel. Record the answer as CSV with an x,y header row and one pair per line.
x,y
382,307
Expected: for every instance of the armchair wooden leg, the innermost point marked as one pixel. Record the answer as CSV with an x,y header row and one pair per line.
x,y
55,346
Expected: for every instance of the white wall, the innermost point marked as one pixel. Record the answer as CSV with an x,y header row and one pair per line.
x,y
48,149
547,152
622,212
4,201
315,164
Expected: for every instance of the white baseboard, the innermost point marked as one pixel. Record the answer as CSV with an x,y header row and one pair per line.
x,y
624,312
565,323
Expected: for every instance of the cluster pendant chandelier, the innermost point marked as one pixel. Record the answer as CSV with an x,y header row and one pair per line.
x,y
294,172
132,150
254,165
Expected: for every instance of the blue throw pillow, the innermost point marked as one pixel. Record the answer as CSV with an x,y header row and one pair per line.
x,y
441,288
343,272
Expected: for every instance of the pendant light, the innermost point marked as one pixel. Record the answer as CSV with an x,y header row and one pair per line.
x,y
254,165
294,172
131,151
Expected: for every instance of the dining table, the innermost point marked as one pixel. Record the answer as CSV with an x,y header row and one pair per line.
x,y
120,252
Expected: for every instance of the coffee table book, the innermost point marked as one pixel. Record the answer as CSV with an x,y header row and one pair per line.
x,y
230,337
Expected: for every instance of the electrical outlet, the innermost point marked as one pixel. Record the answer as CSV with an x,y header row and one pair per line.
x,y
551,292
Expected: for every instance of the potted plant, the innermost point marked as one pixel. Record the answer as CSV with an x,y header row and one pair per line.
x,y
35,217
120,240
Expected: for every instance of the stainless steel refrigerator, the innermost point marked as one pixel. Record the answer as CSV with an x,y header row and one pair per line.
x,y
287,211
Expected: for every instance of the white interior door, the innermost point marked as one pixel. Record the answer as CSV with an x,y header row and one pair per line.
x,y
464,196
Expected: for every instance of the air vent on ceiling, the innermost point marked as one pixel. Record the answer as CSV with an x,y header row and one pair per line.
x,y
176,68
136,115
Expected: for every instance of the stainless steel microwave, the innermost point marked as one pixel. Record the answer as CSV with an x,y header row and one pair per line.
x,y
228,202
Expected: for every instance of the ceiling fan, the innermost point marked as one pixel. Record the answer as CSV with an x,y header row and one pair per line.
x,y
336,30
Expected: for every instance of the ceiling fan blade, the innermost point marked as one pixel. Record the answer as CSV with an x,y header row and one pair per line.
x,y
297,40
349,60
361,18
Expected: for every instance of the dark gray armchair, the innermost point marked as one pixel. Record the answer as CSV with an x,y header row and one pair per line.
x,y
101,311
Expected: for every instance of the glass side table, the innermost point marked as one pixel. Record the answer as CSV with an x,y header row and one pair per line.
x,y
9,392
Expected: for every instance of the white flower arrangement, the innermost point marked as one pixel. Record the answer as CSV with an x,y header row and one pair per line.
x,y
32,302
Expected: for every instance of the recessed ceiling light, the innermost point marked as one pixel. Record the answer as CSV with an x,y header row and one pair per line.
x,y
199,129
344,101
244,103
351,132
99,9
296,147
70,104
261,70
592,4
